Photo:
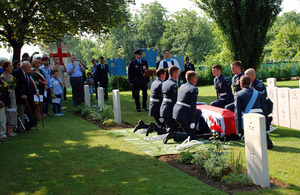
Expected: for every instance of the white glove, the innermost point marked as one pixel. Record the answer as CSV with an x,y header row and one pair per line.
x,y
161,120
192,125
98,83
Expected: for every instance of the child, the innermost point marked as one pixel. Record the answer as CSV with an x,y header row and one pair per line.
x,y
56,91
90,82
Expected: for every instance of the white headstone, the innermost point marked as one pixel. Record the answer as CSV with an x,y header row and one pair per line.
x,y
283,107
272,94
295,108
271,82
100,97
256,149
117,106
87,96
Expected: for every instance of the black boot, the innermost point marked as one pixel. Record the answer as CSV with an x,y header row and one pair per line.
x,y
170,134
269,142
140,125
152,128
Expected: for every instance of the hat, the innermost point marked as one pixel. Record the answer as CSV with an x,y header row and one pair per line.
x,y
45,58
138,52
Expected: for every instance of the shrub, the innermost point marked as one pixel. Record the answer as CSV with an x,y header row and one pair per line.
x,y
199,158
85,111
123,83
109,123
216,165
236,180
107,112
236,163
286,72
187,157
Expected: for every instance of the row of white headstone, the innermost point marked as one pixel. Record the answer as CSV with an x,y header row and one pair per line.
x,y
116,101
286,107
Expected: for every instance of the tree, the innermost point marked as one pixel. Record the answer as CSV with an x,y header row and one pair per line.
x,y
31,20
244,25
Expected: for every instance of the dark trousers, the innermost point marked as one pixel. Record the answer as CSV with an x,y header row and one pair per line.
x,y
221,103
77,90
161,128
172,124
46,102
230,107
96,87
187,132
105,91
136,94
57,107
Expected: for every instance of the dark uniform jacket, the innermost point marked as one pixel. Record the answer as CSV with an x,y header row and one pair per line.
x,y
223,88
136,72
188,95
4,94
259,86
101,74
24,87
169,91
157,97
241,100
188,67
236,82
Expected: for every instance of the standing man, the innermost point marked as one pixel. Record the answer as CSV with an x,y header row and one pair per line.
x,y
46,70
102,76
137,80
75,70
188,66
161,57
222,86
236,68
168,62
61,69
93,72
169,91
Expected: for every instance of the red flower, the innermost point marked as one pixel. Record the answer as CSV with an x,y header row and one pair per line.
x,y
216,127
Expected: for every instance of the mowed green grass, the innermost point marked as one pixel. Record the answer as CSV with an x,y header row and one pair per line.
x,y
72,156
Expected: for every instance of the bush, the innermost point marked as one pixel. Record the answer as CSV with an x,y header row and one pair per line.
x,y
108,112
85,111
123,83
285,72
109,123
236,163
199,158
236,180
216,165
187,157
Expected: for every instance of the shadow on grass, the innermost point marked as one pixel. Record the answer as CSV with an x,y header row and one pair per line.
x,y
282,132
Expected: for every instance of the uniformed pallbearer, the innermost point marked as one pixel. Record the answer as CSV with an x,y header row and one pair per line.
x,y
169,91
223,88
236,69
137,80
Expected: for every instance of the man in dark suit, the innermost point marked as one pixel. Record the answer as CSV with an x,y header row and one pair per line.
x,y
169,91
161,58
236,68
102,76
24,89
222,86
137,79
187,66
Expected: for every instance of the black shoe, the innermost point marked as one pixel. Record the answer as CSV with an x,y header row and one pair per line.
x,y
140,125
138,110
146,108
152,128
168,136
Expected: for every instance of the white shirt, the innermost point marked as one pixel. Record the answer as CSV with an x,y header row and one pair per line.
x,y
161,64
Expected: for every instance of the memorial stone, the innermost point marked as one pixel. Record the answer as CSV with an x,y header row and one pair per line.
x,y
283,107
271,82
117,106
87,96
272,95
295,108
100,97
256,149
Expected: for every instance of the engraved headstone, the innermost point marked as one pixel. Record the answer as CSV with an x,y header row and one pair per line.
x,y
272,94
256,149
87,96
100,97
295,108
283,107
117,106
271,82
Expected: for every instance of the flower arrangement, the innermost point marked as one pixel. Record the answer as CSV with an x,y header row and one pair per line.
x,y
12,84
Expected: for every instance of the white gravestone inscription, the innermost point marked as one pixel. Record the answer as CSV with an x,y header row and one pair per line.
x,y
117,106
256,149
271,82
87,96
283,107
272,95
100,97
295,108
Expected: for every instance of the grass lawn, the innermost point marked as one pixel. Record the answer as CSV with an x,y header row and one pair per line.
x,y
72,156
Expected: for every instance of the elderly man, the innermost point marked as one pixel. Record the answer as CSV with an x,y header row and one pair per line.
x,y
168,62
25,89
75,70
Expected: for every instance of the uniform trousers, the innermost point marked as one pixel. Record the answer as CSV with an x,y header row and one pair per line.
x,y
178,136
161,129
77,90
221,103
230,107
137,86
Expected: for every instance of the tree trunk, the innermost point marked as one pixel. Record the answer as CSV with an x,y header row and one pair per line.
x,y
17,51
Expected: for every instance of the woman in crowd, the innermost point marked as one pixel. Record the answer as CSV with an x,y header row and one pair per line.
x,y
10,110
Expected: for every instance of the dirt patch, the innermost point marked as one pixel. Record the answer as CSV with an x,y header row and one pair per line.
x,y
194,171
97,123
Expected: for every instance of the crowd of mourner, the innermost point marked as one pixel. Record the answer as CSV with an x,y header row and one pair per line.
x,y
27,89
